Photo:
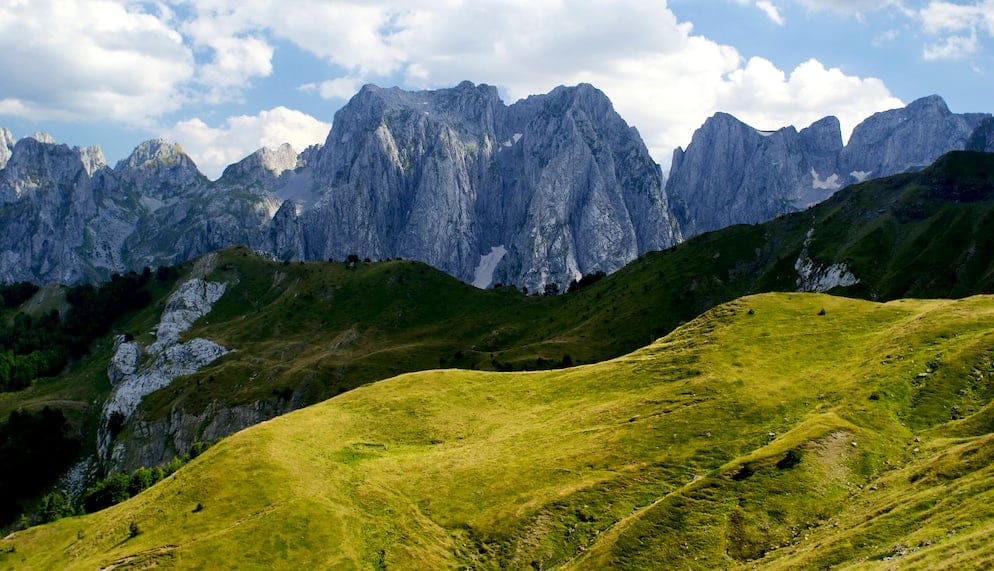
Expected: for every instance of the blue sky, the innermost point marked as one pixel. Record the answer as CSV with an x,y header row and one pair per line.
x,y
225,77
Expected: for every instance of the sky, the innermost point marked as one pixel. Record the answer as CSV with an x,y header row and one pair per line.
x,y
226,77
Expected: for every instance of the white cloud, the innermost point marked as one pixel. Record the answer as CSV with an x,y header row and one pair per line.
x,y
236,61
849,6
112,60
952,47
941,16
96,59
771,11
959,24
338,88
214,148
660,76
766,98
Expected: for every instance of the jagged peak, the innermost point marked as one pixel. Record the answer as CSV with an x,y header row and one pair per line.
x,y
275,161
92,158
43,138
155,152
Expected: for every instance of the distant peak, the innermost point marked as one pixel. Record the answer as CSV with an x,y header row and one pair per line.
x,y
92,158
154,150
928,103
43,138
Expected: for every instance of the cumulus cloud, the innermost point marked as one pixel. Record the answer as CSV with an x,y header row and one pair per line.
x,y
765,97
114,60
72,59
660,75
958,25
214,148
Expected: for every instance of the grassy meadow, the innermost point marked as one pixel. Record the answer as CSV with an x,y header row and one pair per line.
x,y
778,430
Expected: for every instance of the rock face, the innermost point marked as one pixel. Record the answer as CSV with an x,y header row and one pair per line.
x,y
67,217
137,371
559,182
914,137
982,138
539,192
732,173
6,146
812,277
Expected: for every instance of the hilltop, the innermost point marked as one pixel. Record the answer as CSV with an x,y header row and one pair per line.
x,y
780,430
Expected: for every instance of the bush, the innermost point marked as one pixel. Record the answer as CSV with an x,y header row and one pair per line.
x,y
55,506
791,459
107,492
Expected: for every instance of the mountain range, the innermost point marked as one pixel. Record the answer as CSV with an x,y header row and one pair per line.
x,y
538,193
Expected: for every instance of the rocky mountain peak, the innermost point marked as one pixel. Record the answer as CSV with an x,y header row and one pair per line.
x,y
6,146
92,158
929,104
263,165
159,168
982,138
825,133
908,138
43,138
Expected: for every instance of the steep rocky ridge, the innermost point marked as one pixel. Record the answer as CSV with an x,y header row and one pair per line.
x,y
732,173
559,182
539,192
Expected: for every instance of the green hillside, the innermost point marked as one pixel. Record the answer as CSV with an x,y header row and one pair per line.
x,y
782,430
303,332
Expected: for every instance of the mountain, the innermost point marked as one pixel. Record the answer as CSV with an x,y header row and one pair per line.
x,y
540,192
732,173
69,218
304,332
543,191
777,431
982,139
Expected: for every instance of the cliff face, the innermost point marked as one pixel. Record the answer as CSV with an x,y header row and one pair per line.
x,y
558,183
539,192
732,173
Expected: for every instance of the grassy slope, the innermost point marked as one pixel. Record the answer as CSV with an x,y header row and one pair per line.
x,y
310,331
625,463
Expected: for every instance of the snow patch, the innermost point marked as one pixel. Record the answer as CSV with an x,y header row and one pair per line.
x,y
812,278
765,133
829,183
512,141
860,176
483,276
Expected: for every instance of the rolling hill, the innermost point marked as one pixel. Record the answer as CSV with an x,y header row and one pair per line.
x,y
779,431
301,333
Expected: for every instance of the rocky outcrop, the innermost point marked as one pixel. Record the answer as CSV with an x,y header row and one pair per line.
x,y
137,372
732,173
154,442
813,277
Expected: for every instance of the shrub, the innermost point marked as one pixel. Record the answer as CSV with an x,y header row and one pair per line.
x,y
791,459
